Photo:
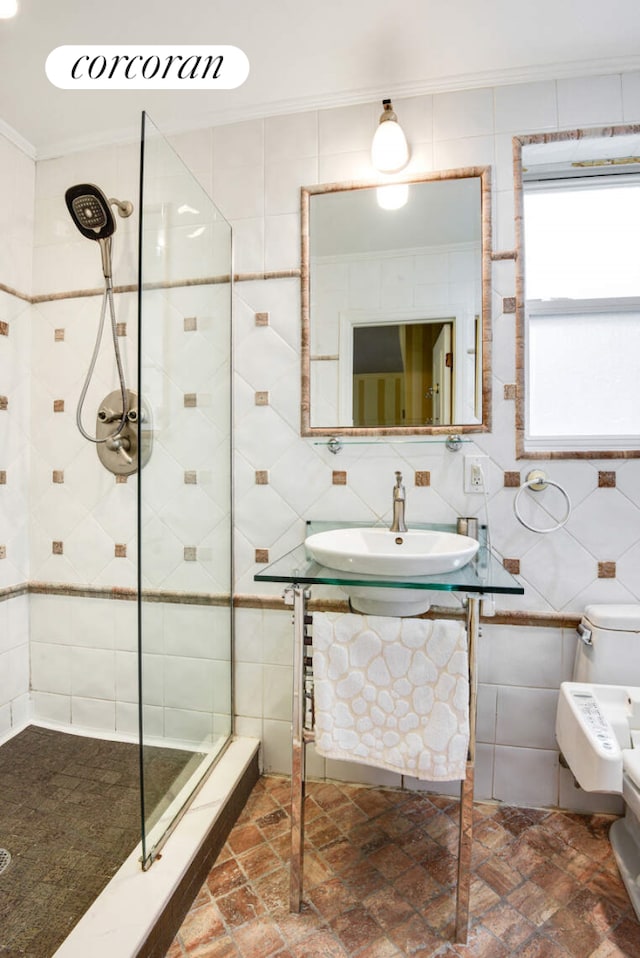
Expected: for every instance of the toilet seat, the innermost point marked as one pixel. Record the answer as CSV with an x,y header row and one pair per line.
x,y
592,732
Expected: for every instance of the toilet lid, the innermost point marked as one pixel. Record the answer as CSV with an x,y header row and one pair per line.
x,y
631,764
625,618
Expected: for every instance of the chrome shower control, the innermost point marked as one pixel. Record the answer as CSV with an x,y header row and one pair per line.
x,y
120,444
109,415
123,447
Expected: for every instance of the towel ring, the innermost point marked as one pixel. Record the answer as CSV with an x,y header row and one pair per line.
x,y
537,481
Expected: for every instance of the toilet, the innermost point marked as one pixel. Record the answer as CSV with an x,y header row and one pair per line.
x,y
598,723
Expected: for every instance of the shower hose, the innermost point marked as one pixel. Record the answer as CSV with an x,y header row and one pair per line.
x,y
107,299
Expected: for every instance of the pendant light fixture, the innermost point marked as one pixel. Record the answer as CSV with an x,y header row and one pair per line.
x,y
389,149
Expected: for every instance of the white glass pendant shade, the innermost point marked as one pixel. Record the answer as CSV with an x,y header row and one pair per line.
x,y
389,149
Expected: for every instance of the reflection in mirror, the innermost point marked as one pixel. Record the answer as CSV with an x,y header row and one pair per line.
x,y
578,292
393,382
395,306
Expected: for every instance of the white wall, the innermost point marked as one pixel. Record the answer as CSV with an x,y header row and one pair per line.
x,y
17,176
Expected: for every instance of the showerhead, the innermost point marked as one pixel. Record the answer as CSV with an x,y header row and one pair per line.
x,y
90,211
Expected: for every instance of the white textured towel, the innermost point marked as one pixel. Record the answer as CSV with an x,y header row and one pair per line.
x,y
393,693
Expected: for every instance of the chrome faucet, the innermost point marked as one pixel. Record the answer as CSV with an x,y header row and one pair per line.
x,y
399,499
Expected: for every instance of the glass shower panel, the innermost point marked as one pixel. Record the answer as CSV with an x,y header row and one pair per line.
x,y
184,511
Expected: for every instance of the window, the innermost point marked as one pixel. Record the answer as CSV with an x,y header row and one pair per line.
x,y
582,310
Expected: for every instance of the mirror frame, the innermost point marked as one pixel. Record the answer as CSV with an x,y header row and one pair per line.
x,y
518,143
483,173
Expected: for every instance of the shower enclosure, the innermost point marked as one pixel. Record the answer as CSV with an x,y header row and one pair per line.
x,y
184,488
119,693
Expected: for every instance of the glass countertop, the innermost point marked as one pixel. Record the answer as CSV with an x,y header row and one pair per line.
x,y
484,574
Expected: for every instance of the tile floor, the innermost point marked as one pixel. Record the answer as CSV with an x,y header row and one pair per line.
x,y
69,816
380,869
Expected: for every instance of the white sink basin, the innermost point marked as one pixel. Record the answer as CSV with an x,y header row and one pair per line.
x,y
380,552
399,555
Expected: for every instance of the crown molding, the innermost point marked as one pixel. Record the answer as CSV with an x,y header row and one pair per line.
x,y
17,139
510,76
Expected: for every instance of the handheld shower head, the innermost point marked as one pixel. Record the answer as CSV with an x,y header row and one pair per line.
x,y
91,212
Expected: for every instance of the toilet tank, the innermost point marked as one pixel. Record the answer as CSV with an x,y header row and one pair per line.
x,y
608,649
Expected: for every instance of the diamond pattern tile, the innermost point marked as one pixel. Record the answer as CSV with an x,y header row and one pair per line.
x,y
628,569
606,523
559,567
266,354
263,514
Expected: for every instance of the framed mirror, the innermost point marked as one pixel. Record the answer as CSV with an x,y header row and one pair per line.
x,y
396,306
577,197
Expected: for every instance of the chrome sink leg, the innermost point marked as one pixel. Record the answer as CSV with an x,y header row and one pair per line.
x,y
297,596
463,888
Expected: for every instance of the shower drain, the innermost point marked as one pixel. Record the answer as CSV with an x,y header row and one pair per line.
x,y
5,859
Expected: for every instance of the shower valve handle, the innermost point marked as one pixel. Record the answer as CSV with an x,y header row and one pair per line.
x,y
109,415
120,444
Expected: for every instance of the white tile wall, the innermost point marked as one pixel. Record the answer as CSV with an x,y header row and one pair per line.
x,y
255,169
14,664
589,101
14,440
525,776
17,179
16,217
520,668
530,108
84,668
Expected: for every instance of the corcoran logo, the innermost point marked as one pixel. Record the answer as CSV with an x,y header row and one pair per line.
x,y
133,67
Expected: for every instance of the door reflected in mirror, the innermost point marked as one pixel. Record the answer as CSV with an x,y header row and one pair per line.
x,y
395,307
402,374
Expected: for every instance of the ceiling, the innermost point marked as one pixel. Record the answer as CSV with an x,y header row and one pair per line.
x,y
303,54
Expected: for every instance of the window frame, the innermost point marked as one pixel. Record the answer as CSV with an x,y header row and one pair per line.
x,y
558,447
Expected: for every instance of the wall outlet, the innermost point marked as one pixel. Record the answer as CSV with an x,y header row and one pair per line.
x,y
476,473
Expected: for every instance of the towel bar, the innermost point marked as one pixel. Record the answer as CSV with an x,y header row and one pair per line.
x,y
302,733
